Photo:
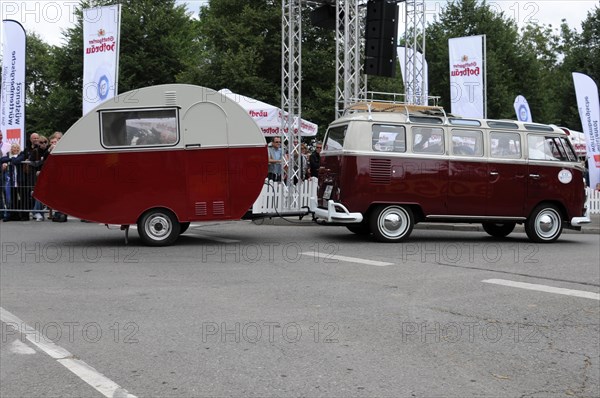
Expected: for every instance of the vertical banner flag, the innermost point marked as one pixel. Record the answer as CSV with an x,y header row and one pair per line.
x,y
589,112
522,109
467,76
12,101
420,98
101,32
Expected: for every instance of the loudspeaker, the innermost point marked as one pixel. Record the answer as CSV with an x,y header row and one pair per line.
x,y
323,16
381,33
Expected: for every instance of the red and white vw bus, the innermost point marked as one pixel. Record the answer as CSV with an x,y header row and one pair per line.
x,y
159,157
386,167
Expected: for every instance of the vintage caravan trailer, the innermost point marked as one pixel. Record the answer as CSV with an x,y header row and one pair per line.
x,y
159,157
386,166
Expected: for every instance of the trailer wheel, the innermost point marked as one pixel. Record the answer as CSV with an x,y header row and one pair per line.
x,y
183,227
392,223
361,228
498,230
158,227
544,225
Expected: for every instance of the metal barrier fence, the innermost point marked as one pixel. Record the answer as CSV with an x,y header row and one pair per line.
x,y
16,196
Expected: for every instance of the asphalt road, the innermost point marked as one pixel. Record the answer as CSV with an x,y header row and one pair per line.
x,y
238,309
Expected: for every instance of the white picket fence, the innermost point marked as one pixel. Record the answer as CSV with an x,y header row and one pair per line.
x,y
593,202
276,197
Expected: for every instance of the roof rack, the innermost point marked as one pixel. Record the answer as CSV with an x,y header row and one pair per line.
x,y
396,103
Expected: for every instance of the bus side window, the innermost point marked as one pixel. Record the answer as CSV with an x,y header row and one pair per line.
x,y
505,145
428,140
467,143
387,138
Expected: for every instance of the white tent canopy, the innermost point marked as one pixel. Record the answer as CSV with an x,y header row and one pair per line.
x,y
268,117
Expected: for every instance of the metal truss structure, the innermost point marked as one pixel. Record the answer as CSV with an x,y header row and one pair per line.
x,y
414,63
351,83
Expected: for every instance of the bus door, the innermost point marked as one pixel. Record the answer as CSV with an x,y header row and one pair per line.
x,y
467,174
206,152
546,177
507,175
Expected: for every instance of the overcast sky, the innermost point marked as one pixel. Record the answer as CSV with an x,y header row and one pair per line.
x,y
48,18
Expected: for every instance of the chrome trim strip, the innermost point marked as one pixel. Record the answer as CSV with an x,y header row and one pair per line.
x,y
476,218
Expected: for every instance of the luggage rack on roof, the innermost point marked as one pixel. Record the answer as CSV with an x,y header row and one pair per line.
x,y
370,104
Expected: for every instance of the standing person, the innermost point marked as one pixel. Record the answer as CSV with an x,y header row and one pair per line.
x,y
12,168
315,160
275,158
37,158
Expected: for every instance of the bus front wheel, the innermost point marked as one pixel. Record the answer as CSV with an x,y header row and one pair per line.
x,y
392,223
158,227
544,225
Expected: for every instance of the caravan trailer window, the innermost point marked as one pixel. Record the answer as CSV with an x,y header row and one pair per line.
x,y
139,128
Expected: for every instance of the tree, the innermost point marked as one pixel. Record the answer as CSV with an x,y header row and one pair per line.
x,y
157,41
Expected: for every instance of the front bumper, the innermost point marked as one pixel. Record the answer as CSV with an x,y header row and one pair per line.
x,y
335,212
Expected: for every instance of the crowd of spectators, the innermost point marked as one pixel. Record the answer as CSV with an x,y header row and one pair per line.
x,y
307,161
19,170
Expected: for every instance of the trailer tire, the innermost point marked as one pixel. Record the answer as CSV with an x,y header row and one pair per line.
x,y
544,225
158,227
392,223
499,230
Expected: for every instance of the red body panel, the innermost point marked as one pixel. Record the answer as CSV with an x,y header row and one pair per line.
x,y
449,186
117,187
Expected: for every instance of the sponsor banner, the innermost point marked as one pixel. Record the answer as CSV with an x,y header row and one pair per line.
x,y
419,97
467,76
101,32
522,109
12,101
586,91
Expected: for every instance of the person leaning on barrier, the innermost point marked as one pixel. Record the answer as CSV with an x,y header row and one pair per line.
x,y
12,184
314,160
275,159
36,159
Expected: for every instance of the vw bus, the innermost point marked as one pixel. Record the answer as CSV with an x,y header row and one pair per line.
x,y
159,157
387,166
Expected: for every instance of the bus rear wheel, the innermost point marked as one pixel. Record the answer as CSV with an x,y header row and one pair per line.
x,y
544,225
158,227
392,223
499,230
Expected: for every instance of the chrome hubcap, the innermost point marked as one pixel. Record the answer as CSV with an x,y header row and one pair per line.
x,y
158,226
547,224
393,222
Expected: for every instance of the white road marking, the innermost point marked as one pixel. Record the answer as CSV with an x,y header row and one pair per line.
x,y
544,288
85,372
326,257
18,347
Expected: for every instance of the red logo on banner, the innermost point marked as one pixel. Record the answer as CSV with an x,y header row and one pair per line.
x,y
13,134
465,58
101,32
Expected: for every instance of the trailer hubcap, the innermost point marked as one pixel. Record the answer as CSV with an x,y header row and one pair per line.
x,y
158,226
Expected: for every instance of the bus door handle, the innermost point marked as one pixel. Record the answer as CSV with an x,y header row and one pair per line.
x,y
193,145
534,176
494,173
